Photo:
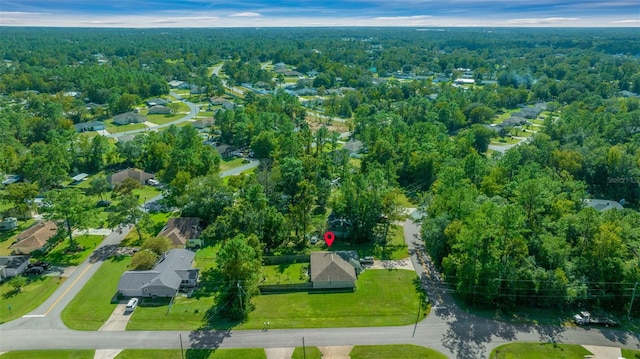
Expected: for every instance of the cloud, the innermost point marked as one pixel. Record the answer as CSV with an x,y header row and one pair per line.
x,y
246,14
627,21
543,21
415,17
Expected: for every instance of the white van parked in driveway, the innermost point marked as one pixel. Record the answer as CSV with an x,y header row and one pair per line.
x,y
133,303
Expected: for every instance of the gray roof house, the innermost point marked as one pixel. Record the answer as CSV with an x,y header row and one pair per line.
x,y
11,266
330,270
89,126
172,272
129,117
160,110
156,102
602,205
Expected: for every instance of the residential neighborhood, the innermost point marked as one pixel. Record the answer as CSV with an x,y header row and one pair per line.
x,y
347,192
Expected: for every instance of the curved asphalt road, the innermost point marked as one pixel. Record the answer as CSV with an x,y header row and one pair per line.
x,y
447,328
193,110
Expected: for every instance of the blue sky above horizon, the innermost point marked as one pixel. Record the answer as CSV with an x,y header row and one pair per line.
x,y
261,13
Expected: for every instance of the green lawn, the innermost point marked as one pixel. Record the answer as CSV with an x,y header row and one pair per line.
x,y
8,237
285,273
631,354
504,141
29,298
185,314
59,255
109,126
382,298
229,164
161,119
206,257
193,354
309,353
91,308
49,354
538,351
146,193
405,351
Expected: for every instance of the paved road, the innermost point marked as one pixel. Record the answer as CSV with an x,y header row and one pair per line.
x,y
193,110
447,328
47,315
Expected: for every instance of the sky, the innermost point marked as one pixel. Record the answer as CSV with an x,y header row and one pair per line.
x,y
310,13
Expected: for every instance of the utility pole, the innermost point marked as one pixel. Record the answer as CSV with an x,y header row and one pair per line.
x,y
181,347
304,350
633,296
240,293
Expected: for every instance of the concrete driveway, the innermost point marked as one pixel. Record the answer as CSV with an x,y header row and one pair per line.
x,y
118,320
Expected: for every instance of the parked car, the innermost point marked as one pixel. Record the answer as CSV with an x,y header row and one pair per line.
x,y
34,270
103,203
131,305
41,264
153,182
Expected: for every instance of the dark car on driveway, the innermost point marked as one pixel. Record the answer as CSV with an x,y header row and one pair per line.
x,y
34,270
41,264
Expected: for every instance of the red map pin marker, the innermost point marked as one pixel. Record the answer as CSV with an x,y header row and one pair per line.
x,y
329,237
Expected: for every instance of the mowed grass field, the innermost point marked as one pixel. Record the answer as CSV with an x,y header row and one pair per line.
x,y
91,307
38,289
538,351
382,297
394,351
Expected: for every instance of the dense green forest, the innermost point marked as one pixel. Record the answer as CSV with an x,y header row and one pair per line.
x,y
507,228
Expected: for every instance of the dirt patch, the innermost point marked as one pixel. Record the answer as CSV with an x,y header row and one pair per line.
x,y
315,123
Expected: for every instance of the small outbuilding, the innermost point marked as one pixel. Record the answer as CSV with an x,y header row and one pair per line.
x,y
11,266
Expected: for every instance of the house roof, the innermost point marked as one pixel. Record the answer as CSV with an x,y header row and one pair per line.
x,y
13,261
329,266
88,125
203,122
136,174
181,229
164,272
36,236
130,117
601,205
159,109
353,145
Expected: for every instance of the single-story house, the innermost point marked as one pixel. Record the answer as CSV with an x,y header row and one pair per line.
x,y
353,146
126,138
182,231
172,272
89,126
11,266
602,205
217,100
175,83
160,110
136,174
330,270
129,117
203,122
156,102
35,238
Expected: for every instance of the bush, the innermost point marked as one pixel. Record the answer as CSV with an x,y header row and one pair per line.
x,y
143,260
157,245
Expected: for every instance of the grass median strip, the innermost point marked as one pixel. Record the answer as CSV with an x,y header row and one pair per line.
x,y
193,354
91,308
539,351
394,352
49,354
